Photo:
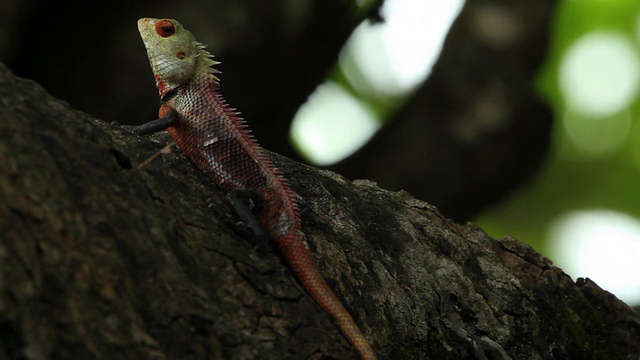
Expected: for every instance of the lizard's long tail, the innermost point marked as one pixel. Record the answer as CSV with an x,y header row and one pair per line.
x,y
305,268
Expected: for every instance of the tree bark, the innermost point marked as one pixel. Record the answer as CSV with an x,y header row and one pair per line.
x,y
101,260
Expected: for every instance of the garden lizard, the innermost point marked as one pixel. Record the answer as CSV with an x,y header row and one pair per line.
x,y
219,143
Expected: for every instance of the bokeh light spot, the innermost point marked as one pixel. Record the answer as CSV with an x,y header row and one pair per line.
x,y
332,124
599,74
602,245
397,55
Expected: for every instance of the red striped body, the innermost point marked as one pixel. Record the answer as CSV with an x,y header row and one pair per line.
x,y
220,145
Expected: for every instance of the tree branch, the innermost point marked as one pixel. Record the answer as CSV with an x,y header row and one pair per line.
x,y
99,260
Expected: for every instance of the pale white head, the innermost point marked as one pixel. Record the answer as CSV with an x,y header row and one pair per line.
x,y
175,55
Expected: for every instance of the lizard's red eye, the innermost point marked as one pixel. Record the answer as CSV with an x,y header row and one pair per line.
x,y
165,28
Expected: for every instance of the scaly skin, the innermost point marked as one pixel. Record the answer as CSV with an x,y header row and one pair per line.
x,y
218,142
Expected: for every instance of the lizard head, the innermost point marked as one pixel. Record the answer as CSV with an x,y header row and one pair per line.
x,y
175,55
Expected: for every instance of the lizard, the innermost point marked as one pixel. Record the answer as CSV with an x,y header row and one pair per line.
x,y
217,140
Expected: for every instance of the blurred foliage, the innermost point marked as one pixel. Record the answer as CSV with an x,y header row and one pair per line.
x,y
575,179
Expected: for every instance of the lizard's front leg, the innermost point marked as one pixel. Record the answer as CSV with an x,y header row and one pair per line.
x,y
158,124
155,126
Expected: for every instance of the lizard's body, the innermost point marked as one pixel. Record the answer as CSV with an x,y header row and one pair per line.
x,y
218,142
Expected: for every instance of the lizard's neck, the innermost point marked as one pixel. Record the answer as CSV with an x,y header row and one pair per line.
x,y
205,82
163,87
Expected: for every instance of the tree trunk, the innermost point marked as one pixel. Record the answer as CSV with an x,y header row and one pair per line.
x,y
101,260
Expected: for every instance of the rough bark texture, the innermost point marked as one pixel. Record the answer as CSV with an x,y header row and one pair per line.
x,y
101,260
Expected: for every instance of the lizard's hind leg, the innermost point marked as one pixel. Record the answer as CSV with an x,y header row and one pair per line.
x,y
164,150
244,202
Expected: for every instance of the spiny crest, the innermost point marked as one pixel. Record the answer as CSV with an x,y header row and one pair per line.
x,y
207,61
